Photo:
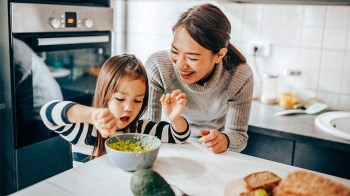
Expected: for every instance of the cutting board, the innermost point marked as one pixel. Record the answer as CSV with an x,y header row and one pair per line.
x,y
235,187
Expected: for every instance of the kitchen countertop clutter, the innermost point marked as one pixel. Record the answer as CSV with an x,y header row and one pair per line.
x,y
293,126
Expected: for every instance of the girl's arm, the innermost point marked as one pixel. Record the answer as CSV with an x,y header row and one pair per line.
x,y
101,118
80,113
74,121
164,131
54,116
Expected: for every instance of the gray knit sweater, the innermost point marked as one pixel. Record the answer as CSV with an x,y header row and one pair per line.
x,y
222,103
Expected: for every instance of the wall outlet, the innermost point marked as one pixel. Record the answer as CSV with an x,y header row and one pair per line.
x,y
260,49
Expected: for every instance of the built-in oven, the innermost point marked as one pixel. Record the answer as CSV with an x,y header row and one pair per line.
x,y
47,51
56,53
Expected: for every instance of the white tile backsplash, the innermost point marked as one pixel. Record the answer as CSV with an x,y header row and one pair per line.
x,y
335,38
331,99
293,15
314,39
311,37
314,16
337,16
252,32
273,14
253,14
332,60
329,81
344,102
309,59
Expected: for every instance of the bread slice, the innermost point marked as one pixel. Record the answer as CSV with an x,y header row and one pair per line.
x,y
264,179
310,184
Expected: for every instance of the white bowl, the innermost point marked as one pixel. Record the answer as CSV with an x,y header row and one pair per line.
x,y
131,161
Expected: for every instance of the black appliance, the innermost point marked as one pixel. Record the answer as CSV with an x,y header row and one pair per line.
x,y
56,52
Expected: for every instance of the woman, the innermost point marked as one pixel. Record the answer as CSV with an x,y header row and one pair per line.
x,y
211,72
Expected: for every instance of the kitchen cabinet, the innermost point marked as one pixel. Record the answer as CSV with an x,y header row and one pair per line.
x,y
306,152
42,160
322,159
270,148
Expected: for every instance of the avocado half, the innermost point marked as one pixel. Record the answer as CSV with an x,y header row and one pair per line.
x,y
146,182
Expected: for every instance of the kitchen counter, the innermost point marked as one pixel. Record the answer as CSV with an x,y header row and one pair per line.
x,y
295,140
188,166
298,126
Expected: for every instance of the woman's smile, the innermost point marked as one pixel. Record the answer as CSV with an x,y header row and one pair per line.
x,y
186,74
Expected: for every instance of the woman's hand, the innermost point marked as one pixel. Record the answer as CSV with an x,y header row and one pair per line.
x,y
104,122
214,140
173,104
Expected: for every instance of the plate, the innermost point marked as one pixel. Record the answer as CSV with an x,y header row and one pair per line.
x,y
235,187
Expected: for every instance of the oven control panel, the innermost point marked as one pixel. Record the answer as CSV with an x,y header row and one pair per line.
x,y
28,17
70,20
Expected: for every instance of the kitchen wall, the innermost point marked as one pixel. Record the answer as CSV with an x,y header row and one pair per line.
x,y
312,39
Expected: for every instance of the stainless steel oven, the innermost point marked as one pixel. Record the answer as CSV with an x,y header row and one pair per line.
x,y
47,51
56,53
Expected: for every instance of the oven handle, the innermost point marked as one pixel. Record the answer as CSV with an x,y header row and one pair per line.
x,y
72,40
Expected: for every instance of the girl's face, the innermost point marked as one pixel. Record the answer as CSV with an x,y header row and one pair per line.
x,y
194,62
126,103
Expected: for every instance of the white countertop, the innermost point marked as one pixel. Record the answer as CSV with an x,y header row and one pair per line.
x,y
188,166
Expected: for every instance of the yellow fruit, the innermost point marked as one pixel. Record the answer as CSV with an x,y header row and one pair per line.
x,y
288,100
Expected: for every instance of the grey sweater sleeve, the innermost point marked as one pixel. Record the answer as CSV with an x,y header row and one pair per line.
x,y
156,90
237,116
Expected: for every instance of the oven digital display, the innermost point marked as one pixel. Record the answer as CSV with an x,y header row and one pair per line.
x,y
71,19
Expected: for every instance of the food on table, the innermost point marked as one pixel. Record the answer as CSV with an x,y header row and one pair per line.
x,y
145,182
128,146
311,184
261,183
298,183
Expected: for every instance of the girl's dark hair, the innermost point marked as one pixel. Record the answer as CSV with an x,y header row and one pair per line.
x,y
210,28
112,71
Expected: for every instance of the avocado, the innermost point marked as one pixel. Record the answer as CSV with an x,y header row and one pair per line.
x,y
146,182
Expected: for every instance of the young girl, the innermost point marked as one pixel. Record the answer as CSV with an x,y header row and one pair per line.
x,y
120,98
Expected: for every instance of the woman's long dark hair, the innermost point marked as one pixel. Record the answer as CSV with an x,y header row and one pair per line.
x,y
112,71
211,29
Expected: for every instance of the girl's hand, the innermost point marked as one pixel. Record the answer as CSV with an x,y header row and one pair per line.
x,y
104,122
214,140
173,104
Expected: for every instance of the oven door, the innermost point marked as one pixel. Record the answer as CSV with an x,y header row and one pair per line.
x,y
53,66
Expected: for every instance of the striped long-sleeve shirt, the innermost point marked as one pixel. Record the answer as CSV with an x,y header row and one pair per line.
x,y
223,102
83,136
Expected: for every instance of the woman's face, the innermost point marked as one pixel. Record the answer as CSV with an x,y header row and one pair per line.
x,y
194,62
126,103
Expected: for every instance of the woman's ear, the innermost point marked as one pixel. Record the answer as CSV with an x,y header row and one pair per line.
x,y
219,55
